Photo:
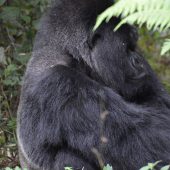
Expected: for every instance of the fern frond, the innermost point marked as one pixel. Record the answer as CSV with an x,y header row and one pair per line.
x,y
154,19
154,13
166,47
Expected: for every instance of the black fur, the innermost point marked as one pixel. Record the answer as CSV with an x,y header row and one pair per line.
x,y
89,98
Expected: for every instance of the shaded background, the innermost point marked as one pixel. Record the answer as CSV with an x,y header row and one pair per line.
x,y
18,24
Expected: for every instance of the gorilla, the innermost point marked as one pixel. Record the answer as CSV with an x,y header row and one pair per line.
x,y
90,98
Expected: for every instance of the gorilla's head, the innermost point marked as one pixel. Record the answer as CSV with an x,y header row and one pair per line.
x,y
111,56
116,59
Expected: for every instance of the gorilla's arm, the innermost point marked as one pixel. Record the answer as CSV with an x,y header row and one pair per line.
x,y
59,114
61,117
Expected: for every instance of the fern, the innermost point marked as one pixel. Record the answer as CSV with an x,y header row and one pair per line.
x,y
153,13
154,19
166,47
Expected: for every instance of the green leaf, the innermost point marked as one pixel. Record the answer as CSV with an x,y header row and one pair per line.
x,y
12,126
17,168
2,140
166,167
68,168
150,166
166,47
8,168
12,81
23,58
108,167
10,13
10,69
26,18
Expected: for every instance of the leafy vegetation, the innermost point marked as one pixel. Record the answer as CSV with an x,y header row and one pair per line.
x,y
18,24
152,166
68,168
108,167
16,168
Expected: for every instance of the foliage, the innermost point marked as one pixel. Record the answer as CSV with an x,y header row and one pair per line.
x,y
68,168
108,167
16,168
166,47
152,166
154,14
18,24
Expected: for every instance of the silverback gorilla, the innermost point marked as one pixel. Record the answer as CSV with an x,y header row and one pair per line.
x,y
89,98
